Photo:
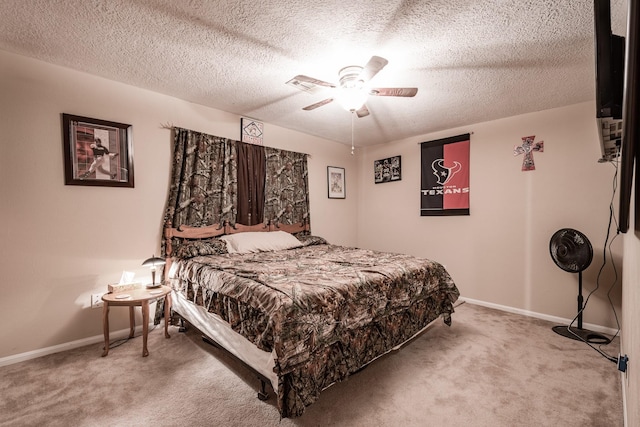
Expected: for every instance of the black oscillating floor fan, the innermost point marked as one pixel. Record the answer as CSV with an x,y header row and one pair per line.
x,y
572,252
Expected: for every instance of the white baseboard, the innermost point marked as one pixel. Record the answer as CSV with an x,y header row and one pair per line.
x,y
623,384
116,335
554,319
9,360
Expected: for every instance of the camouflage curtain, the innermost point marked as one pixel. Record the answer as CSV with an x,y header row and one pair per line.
x,y
203,184
286,187
204,181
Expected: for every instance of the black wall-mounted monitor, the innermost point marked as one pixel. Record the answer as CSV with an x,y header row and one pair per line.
x,y
631,119
610,69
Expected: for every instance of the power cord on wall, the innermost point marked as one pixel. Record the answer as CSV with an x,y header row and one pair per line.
x,y
621,361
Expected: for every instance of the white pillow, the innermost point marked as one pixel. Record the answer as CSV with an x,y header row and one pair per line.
x,y
260,241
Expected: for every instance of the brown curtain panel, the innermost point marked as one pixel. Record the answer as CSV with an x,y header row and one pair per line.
x,y
251,180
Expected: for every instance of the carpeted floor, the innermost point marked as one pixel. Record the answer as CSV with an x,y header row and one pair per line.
x,y
490,368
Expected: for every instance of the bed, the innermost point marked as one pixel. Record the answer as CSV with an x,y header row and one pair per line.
x,y
298,311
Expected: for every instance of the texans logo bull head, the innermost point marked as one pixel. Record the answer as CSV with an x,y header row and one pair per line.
x,y
443,173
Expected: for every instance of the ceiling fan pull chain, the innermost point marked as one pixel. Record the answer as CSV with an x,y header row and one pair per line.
x,y
353,112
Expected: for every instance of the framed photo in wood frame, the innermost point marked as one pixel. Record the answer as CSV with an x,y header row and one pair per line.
x,y
336,182
97,152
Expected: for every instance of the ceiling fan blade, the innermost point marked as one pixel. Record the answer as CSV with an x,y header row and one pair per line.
x,y
362,111
318,104
375,64
394,91
314,81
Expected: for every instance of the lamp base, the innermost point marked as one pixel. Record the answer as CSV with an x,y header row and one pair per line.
x,y
153,285
579,334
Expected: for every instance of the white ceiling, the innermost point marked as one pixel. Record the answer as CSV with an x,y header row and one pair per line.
x,y
472,60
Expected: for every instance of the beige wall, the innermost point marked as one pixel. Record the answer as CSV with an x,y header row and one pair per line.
x,y
62,243
630,340
84,237
500,253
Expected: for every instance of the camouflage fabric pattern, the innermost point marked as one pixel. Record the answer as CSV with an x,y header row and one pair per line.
x,y
204,183
326,310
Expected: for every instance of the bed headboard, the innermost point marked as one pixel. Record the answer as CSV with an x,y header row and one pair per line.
x,y
193,233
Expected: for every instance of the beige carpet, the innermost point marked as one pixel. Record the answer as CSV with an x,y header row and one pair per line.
x,y
490,368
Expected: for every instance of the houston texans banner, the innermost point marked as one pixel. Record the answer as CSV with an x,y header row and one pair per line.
x,y
445,176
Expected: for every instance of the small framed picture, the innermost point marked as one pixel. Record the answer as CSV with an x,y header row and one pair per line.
x,y
97,152
387,170
335,182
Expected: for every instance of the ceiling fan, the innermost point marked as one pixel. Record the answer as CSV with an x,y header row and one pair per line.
x,y
352,89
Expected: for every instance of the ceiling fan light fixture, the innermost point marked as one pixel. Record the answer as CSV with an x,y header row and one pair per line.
x,y
352,93
351,99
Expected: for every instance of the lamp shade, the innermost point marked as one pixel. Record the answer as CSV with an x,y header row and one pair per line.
x,y
153,261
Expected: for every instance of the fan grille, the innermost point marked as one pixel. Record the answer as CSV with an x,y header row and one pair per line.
x,y
571,250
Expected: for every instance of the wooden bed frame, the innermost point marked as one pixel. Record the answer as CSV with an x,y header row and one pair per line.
x,y
194,233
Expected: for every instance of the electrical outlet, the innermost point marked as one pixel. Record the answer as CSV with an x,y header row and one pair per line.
x,y
622,362
96,300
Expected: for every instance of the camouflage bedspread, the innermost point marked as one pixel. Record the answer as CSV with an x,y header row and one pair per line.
x,y
326,310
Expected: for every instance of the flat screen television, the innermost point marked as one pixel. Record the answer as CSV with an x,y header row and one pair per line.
x,y
610,69
631,128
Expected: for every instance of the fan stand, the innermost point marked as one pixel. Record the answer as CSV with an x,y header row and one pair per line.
x,y
578,333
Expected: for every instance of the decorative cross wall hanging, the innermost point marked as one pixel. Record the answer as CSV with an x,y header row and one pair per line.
x,y
527,148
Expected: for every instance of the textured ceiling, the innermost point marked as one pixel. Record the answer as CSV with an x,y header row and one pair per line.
x,y
472,60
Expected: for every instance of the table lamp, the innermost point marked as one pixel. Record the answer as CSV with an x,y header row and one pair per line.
x,y
153,262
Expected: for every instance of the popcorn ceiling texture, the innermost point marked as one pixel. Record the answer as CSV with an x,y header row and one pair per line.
x,y
472,61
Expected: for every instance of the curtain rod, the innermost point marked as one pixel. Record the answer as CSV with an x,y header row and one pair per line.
x,y
464,133
172,127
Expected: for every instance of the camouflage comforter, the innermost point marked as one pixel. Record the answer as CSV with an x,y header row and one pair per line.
x,y
326,310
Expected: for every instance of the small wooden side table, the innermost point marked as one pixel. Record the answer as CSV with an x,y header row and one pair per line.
x,y
132,298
